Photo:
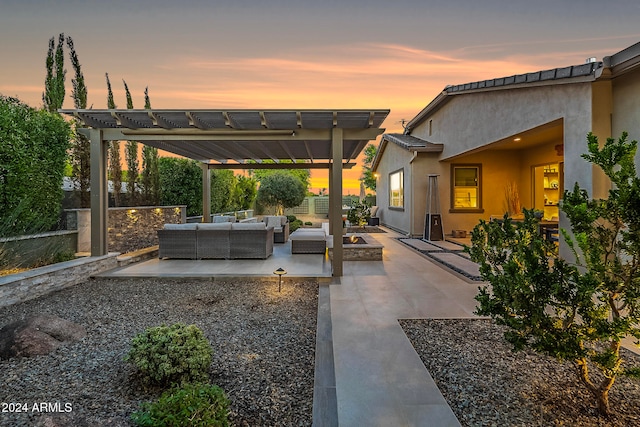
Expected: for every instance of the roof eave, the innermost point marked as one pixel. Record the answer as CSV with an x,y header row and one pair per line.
x,y
430,147
432,107
624,61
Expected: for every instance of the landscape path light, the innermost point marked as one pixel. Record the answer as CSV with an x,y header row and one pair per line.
x,y
280,272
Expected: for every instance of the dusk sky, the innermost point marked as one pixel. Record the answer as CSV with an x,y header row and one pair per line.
x,y
299,54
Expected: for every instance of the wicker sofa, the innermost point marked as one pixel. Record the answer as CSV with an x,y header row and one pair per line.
x,y
225,240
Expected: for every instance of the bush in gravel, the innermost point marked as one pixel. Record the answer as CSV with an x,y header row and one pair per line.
x,y
189,405
579,309
165,355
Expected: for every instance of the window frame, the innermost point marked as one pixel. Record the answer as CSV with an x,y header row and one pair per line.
x,y
394,207
478,208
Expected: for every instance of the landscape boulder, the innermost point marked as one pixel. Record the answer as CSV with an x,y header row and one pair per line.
x,y
37,335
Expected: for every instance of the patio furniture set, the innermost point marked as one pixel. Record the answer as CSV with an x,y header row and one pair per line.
x,y
226,239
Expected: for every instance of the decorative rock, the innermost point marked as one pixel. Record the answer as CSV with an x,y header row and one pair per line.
x,y
37,336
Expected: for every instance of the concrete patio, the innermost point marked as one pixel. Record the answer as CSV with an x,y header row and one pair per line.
x,y
300,265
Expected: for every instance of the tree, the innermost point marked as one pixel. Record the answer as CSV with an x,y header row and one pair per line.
x,y
244,192
115,167
281,190
303,175
53,96
32,162
150,174
222,185
368,178
131,156
576,310
80,148
181,183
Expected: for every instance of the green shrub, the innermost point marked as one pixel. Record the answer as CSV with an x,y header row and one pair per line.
x,y
189,405
359,214
181,183
579,308
33,151
291,218
308,223
165,355
294,225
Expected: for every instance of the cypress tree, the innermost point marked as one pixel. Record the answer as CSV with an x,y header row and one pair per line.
x,y
80,147
150,172
131,155
115,168
60,72
53,96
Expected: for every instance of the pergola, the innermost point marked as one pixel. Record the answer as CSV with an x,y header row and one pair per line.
x,y
232,139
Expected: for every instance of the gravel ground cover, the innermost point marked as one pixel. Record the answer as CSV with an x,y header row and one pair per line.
x,y
263,343
486,384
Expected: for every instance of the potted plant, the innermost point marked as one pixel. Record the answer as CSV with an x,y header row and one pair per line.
x,y
359,214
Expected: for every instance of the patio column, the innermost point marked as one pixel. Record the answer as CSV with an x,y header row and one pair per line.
x,y
335,193
99,193
330,213
206,193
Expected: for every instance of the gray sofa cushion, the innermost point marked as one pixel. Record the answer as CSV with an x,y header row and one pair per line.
x,y
215,226
181,226
248,226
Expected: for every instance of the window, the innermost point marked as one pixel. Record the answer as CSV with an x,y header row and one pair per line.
x,y
466,194
396,189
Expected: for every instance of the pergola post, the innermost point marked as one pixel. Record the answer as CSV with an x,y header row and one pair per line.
x,y
99,193
335,197
206,193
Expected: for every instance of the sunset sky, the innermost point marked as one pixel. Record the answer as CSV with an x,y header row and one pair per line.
x,y
300,54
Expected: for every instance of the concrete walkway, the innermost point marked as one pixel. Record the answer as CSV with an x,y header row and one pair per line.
x,y
379,378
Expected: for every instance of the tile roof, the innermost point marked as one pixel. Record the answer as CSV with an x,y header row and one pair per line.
x,y
408,142
412,143
582,70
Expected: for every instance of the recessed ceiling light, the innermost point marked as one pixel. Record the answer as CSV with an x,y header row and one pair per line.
x,y
517,139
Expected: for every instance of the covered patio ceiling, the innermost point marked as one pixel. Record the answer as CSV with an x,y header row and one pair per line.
x,y
232,138
235,139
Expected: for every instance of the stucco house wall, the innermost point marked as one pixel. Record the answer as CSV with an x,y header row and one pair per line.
x,y
626,107
474,120
423,165
489,118
398,219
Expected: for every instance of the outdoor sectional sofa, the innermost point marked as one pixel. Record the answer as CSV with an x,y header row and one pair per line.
x,y
225,240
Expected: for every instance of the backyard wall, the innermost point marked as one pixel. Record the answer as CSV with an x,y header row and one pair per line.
x,y
129,229
36,282
28,250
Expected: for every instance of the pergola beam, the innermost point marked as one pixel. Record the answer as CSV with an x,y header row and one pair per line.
x,y
286,150
276,165
190,134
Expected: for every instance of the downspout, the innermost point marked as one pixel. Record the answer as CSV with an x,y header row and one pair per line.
x,y
412,209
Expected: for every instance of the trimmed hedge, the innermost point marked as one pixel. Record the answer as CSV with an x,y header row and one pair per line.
x,y
33,151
